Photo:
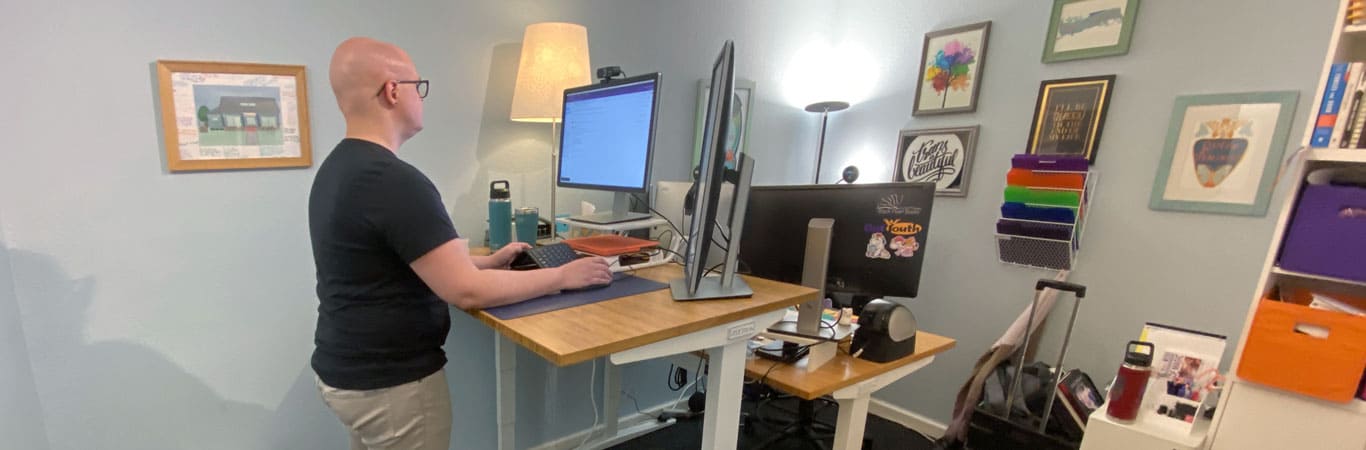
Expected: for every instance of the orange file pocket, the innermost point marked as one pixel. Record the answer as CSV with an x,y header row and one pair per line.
x,y
1045,179
1327,367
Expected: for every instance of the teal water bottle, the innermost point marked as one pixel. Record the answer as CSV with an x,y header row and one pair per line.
x,y
500,214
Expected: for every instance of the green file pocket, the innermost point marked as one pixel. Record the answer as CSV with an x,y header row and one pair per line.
x,y
1021,194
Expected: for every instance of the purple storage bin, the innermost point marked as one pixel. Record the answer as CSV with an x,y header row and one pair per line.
x,y
1327,236
1050,162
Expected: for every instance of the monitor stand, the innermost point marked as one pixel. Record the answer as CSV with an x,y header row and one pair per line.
x,y
621,212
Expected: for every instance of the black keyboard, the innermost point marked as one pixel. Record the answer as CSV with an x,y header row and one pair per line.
x,y
545,257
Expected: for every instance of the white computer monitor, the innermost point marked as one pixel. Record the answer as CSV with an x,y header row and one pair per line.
x,y
608,140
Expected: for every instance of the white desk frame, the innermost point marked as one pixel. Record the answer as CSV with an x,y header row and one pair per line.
x,y
725,346
853,401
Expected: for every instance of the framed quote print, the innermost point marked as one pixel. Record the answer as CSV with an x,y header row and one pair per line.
x,y
1069,116
942,156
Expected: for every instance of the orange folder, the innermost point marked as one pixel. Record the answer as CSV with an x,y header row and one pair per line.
x,y
1030,178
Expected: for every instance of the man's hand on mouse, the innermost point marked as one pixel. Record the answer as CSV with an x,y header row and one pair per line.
x,y
585,272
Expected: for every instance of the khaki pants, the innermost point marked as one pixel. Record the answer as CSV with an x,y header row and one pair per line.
x,y
411,416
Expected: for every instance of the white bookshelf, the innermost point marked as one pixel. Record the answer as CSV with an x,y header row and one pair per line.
x,y
1253,416
1337,156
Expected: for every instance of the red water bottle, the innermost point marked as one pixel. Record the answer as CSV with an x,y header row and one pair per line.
x,y
1127,394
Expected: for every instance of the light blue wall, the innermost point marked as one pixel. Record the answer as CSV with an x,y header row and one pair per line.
x,y
21,419
1192,270
176,311
169,311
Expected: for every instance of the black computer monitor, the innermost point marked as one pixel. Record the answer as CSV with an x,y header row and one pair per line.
x,y
712,166
608,140
879,237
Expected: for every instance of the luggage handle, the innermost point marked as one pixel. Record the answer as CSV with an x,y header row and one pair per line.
x,y
1077,289
1080,292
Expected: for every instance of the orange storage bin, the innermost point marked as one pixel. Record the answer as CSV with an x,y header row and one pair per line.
x,y
1055,180
1277,355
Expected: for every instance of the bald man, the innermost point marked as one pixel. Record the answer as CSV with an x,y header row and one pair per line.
x,y
389,262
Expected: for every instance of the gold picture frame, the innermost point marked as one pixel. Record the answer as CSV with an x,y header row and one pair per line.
x,y
221,116
1069,116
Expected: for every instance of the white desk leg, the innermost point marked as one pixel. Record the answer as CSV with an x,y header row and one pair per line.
x,y
611,397
725,383
853,401
852,418
505,362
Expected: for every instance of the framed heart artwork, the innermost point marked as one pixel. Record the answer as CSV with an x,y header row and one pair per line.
x,y
1223,152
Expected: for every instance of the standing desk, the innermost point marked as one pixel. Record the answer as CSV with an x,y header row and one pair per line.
x,y
641,327
850,380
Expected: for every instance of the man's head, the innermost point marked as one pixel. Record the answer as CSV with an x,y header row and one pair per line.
x,y
372,81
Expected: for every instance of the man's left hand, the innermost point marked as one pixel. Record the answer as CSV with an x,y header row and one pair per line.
x,y
502,259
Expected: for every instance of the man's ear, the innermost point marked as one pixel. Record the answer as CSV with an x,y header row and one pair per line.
x,y
390,93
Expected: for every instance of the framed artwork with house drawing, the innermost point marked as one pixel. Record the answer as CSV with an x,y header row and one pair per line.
x,y
218,116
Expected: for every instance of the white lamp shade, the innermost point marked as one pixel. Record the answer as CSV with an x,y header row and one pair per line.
x,y
554,58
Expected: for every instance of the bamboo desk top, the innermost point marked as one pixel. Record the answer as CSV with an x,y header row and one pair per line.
x,y
842,371
573,335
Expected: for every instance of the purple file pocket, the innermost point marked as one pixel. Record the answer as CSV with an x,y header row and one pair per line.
x,y
1327,235
1050,162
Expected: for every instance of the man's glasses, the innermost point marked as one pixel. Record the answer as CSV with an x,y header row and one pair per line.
x,y
421,86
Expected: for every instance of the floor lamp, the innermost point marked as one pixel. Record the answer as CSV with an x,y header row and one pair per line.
x,y
825,108
554,58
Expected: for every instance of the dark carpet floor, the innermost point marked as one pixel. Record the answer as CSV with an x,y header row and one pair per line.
x,y
687,433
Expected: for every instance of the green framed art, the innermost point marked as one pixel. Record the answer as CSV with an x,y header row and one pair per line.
x,y
1081,29
1223,152
743,105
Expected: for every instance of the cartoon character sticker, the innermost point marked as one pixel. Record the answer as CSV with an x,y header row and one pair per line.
x,y
877,247
904,247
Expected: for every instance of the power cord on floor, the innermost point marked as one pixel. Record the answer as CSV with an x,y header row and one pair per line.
x,y
637,405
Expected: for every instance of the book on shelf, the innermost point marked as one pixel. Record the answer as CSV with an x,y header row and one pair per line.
x,y
1340,122
1328,109
1349,98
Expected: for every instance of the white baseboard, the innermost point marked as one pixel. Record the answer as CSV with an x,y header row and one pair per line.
x,y
906,418
644,420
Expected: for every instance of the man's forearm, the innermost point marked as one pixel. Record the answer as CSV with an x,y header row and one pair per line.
x,y
484,262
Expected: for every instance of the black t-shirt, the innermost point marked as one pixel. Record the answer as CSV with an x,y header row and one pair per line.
x,y
370,214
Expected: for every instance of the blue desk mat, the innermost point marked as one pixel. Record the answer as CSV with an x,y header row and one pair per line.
x,y
622,285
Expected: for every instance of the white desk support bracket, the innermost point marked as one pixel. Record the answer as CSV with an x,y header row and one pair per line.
x,y
737,331
725,345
